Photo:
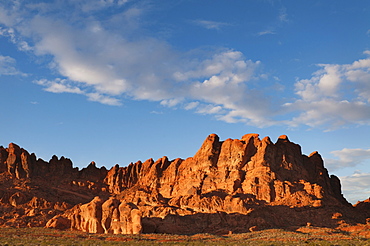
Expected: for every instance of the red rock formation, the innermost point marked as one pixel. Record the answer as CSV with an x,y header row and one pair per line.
x,y
271,173
364,208
33,190
98,216
235,185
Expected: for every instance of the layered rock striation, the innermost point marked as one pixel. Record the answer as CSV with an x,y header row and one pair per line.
x,y
231,185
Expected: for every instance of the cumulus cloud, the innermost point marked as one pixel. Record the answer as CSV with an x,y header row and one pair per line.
x,y
356,187
334,96
347,158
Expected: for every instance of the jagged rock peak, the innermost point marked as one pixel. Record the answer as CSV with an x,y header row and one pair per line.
x,y
223,179
250,135
284,138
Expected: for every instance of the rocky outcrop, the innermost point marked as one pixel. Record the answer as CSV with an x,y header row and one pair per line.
x,y
237,185
32,190
98,216
363,207
263,171
20,165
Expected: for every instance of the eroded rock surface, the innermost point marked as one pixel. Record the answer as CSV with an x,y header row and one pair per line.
x,y
99,216
236,185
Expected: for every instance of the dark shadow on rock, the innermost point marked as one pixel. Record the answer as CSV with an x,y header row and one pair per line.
x,y
265,217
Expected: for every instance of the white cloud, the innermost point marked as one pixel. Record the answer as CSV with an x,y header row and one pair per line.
x,y
59,86
19,42
65,86
329,113
7,66
171,102
96,97
336,95
324,83
106,62
272,29
356,187
156,112
191,105
283,15
228,75
209,109
95,5
347,158
266,32
215,25
367,52
230,63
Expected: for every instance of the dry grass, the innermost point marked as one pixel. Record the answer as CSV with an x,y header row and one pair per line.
x,y
302,236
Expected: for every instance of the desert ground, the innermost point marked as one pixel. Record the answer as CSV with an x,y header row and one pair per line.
x,y
291,236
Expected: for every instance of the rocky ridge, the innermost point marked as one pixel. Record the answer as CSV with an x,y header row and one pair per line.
x,y
233,185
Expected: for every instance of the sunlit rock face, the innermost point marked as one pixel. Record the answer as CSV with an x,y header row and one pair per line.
x,y
264,172
234,185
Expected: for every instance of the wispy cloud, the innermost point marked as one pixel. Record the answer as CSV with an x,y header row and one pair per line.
x,y
278,23
171,102
7,66
209,109
215,25
18,41
94,5
59,86
65,86
191,105
283,15
104,99
267,32
347,158
156,112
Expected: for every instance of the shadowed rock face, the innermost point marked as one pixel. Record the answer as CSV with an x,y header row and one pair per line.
x,y
227,184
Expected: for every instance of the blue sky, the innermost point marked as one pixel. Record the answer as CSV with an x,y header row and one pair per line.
x,y
117,81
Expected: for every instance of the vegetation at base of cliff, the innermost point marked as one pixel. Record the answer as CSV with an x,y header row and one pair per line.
x,y
42,236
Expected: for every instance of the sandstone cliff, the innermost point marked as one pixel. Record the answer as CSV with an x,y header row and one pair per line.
x,y
259,170
230,185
